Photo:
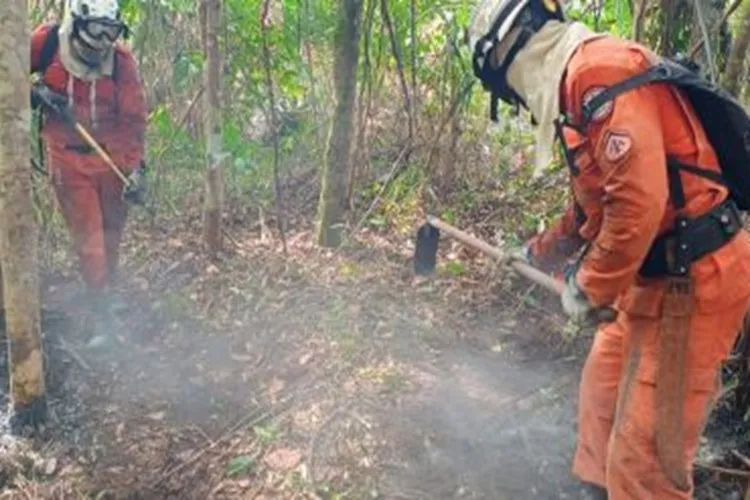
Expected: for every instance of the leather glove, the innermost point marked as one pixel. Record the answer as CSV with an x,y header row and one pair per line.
x,y
41,95
135,191
578,308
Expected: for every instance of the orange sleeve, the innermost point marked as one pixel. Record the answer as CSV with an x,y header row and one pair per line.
x,y
127,146
557,242
37,41
627,144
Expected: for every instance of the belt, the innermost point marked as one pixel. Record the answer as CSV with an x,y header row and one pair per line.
x,y
673,252
83,149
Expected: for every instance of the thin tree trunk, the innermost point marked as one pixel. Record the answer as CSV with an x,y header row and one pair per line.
x,y
212,230
639,16
273,118
735,69
705,14
18,230
400,68
364,103
668,26
413,29
333,203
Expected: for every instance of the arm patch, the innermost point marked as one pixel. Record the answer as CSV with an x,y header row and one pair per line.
x,y
617,146
603,111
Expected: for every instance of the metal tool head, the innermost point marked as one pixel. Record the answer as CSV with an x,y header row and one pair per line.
x,y
425,249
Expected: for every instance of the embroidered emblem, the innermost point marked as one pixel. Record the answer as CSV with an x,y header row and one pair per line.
x,y
602,111
617,146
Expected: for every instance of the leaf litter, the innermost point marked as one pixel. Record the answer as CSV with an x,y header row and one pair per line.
x,y
260,377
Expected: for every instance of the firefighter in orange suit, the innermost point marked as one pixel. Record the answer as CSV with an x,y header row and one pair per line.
x,y
653,371
85,71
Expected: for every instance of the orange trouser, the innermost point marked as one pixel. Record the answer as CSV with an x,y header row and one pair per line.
x,y
95,214
616,439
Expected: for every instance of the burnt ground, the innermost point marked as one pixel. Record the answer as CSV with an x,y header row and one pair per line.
x,y
315,375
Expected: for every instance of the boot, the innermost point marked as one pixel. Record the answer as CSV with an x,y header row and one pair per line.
x,y
101,320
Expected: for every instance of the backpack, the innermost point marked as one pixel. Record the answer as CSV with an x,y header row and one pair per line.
x,y
725,122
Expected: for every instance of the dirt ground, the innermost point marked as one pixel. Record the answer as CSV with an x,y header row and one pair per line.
x,y
315,375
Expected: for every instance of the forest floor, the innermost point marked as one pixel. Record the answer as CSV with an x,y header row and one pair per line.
x,y
312,375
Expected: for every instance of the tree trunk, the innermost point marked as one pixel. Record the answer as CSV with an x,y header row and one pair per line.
x,y
735,70
266,21
332,204
212,231
639,15
706,15
18,231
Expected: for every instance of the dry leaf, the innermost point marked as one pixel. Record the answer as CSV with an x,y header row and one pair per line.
x,y
159,415
275,387
50,466
244,358
119,430
283,459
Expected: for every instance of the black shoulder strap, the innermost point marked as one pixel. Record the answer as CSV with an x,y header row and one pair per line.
x,y
116,58
49,49
657,73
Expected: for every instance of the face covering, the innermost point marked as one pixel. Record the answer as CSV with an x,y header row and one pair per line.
x,y
85,58
536,74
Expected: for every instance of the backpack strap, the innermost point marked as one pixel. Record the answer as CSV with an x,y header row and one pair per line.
x,y
658,73
655,74
49,49
46,56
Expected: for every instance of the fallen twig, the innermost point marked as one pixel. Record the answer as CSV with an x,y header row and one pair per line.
x,y
724,470
247,421
745,460
68,349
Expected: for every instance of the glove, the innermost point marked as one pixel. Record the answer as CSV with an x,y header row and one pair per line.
x,y
135,191
41,95
578,308
524,254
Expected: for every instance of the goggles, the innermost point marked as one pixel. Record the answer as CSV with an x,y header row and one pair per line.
x,y
101,29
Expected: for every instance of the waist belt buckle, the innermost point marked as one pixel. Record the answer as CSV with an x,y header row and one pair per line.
x,y
729,218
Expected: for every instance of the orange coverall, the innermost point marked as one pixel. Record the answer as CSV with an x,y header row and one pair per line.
x,y
621,189
113,110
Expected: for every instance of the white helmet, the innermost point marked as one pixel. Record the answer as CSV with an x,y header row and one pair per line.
x,y
491,21
507,24
94,9
96,26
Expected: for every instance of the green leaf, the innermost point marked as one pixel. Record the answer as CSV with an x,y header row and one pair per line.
x,y
454,268
240,466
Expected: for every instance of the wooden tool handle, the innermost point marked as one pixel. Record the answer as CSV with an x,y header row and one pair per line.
x,y
108,159
521,268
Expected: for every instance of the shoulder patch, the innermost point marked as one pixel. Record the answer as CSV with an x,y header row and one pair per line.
x,y
604,110
617,146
